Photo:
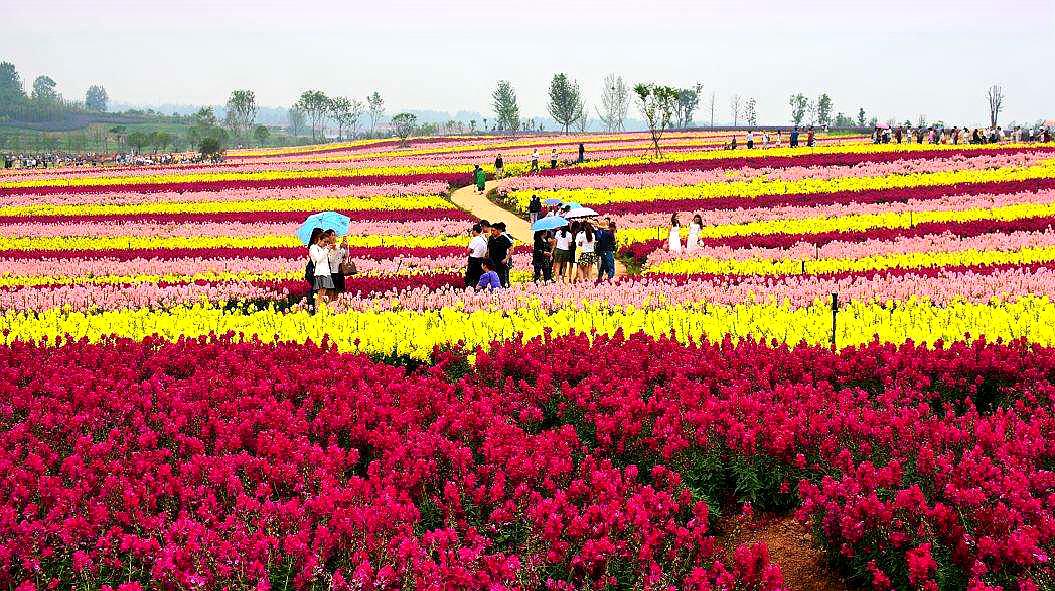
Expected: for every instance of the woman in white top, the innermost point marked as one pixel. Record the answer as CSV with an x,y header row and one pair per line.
x,y
335,255
584,243
319,253
693,242
674,239
562,250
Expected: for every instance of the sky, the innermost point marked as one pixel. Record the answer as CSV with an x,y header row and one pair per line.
x,y
895,58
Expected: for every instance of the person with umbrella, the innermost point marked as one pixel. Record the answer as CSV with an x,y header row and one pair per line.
x,y
480,177
319,254
542,256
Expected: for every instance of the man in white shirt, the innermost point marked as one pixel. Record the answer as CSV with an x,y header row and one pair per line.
x,y
477,254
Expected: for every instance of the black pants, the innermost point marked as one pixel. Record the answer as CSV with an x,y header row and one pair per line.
x,y
750,144
503,273
473,271
543,268
338,282
553,164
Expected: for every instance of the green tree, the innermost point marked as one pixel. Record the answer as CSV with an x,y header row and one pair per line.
x,y
688,100
504,100
241,111
564,100
261,134
210,146
315,105
11,91
96,98
44,89
404,124
824,109
340,109
861,117
138,140
799,104
751,111
295,122
376,105
657,105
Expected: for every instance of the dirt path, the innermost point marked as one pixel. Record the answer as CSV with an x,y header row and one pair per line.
x,y
791,546
469,199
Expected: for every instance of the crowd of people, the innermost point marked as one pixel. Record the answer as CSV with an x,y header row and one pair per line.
x,y
957,135
579,251
328,264
65,159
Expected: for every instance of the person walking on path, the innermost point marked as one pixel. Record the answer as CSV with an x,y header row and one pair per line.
x,y
553,158
534,160
477,255
499,167
535,208
480,178
605,248
499,250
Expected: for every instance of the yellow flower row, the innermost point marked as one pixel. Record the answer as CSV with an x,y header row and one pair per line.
x,y
853,222
288,150
761,186
911,260
264,175
242,242
239,206
416,333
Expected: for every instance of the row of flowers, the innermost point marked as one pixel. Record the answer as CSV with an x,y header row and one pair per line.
x,y
255,466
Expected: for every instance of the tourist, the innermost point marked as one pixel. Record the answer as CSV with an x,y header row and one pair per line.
x,y
553,158
562,250
499,167
897,134
582,153
480,177
489,279
794,137
535,208
584,245
477,254
732,143
336,256
811,138
542,256
605,250
674,238
693,241
499,250
319,253
534,160
750,139
765,139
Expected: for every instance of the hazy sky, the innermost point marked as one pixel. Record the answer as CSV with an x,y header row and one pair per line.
x,y
894,57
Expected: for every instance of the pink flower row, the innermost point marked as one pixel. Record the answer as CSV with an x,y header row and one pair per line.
x,y
31,229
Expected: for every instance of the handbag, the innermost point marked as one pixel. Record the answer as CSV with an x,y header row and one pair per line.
x,y
309,272
347,267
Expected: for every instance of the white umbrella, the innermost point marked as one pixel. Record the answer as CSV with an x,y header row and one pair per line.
x,y
580,212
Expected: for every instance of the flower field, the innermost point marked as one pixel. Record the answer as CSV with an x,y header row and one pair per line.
x,y
415,434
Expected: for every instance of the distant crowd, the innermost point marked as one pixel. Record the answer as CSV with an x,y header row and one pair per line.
x,y
63,159
958,135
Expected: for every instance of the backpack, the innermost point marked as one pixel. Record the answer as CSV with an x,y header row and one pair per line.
x,y
309,272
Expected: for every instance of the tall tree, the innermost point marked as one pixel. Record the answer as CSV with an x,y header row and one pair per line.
x,y
861,117
316,106
376,105
734,107
751,111
714,104
11,90
615,100
261,134
564,100
824,109
799,103
295,121
996,103
351,116
204,125
44,89
657,105
96,98
404,124
688,100
242,109
507,110
339,107
582,114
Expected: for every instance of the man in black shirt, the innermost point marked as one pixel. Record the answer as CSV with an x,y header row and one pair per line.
x,y
499,249
605,249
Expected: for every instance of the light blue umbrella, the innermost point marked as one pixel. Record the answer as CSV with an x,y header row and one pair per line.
x,y
552,201
549,223
572,204
327,220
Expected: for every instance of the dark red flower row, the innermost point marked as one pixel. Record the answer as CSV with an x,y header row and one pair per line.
x,y
255,217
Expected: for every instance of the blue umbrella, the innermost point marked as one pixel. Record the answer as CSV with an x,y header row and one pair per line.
x,y
572,204
327,220
549,223
552,201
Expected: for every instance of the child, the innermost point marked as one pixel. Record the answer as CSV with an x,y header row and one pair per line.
x,y
489,279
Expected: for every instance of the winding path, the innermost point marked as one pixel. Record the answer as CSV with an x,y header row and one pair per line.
x,y
476,203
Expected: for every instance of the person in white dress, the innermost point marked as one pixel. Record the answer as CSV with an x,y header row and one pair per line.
x,y
674,240
693,242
